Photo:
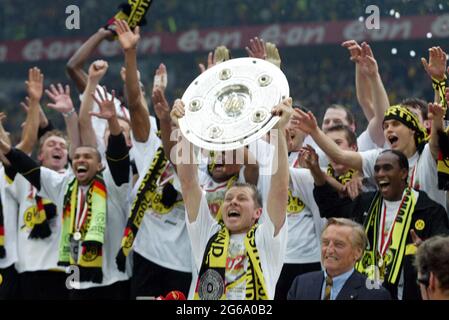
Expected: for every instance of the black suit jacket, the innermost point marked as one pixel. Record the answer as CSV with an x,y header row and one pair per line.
x,y
428,211
308,286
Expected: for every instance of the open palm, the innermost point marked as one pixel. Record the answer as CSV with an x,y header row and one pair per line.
x,y
61,98
127,38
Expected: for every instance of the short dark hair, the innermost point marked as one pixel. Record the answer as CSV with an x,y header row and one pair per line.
x,y
402,159
97,153
417,103
350,135
349,115
433,256
256,194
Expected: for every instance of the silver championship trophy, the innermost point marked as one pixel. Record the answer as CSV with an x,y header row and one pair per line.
x,y
229,105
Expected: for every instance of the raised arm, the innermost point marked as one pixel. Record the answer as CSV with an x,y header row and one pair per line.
x,y
369,68
308,124
96,72
138,109
62,103
220,54
76,63
278,193
22,163
44,124
117,153
186,167
35,88
267,51
436,70
256,48
162,109
363,89
436,114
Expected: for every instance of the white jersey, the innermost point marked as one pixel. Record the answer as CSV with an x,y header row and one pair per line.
x,y
304,221
10,210
162,237
54,186
423,174
34,254
271,249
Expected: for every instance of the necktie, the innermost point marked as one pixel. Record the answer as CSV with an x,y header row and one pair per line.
x,y
327,290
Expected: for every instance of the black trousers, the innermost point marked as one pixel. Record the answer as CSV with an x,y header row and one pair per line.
x,y
9,284
289,273
151,280
43,285
116,291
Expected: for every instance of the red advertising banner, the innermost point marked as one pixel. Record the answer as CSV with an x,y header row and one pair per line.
x,y
284,35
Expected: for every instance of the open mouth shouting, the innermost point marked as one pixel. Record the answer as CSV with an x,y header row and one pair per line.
x,y
393,140
383,185
81,172
233,214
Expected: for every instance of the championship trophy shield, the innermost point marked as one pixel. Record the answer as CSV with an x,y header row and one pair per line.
x,y
229,105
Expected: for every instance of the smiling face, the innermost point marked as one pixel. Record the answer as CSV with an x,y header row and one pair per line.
x,y
240,211
86,164
400,137
338,254
390,177
53,153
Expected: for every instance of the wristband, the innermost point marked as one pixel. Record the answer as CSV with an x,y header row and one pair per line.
x,y
68,114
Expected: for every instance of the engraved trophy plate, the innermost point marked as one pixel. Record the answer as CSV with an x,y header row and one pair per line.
x,y
229,105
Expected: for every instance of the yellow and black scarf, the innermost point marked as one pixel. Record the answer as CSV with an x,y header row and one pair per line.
x,y
45,211
211,279
343,178
440,87
92,230
409,119
141,203
393,258
133,11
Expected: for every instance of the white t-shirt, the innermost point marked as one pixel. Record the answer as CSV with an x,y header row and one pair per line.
x,y
162,237
304,221
34,254
423,174
10,209
271,249
54,186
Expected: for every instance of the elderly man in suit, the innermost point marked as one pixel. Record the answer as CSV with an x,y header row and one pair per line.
x,y
343,242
